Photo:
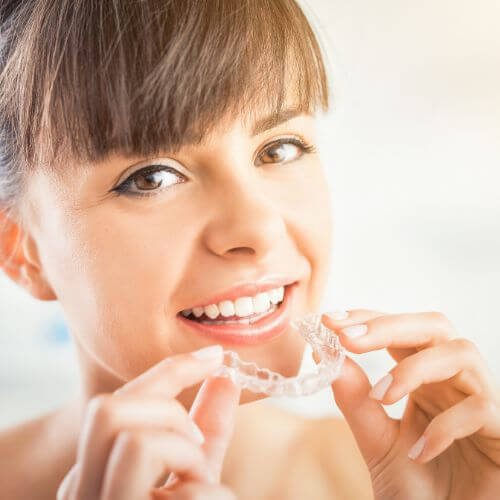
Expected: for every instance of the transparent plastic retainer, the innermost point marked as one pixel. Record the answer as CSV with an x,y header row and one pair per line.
x,y
324,342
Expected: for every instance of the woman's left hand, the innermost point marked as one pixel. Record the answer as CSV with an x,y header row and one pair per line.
x,y
447,443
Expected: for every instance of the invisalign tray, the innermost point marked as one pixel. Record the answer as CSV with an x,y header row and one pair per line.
x,y
324,342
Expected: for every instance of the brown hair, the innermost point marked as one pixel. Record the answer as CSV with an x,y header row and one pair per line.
x,y
82,79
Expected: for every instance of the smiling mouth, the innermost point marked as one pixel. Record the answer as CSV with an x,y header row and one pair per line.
x,y
249,330
234,320
244,319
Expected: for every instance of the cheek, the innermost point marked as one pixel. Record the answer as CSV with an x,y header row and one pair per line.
x,y
313,217
114,275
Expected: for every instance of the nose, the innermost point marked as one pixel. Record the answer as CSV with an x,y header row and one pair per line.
x,y
246,224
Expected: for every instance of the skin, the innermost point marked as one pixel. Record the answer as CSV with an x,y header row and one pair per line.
x,y
447,444
231,220
121,281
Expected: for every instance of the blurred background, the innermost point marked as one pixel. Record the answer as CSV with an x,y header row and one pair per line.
x,y
412,154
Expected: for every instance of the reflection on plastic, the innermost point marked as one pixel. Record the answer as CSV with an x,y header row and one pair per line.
x,y
249,375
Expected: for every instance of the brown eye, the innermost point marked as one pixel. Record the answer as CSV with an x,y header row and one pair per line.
x,y
150,179
285,150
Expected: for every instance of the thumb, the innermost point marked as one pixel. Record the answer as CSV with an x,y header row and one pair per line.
x,y
375,432
214,412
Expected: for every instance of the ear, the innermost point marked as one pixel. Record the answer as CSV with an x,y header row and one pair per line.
x,y
19,259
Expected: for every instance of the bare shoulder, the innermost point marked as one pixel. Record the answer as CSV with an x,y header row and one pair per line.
x,y
21,449
32,460
332,442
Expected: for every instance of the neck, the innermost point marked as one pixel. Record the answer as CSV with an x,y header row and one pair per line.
x,y
94,377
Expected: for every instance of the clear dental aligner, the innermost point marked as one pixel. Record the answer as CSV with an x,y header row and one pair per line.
x,y
249,375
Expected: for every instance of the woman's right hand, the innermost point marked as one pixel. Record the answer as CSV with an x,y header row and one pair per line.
x,y
131,439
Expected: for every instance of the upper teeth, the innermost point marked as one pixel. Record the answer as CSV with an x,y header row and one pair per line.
x,y
242,306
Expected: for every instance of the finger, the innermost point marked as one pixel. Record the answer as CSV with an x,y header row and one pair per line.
x,y
409,331
214,411
139,458
106,416
463,419
192,490
342,319
166,379
172,375
458,359
67,485
362,413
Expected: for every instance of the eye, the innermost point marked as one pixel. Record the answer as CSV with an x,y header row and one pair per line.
x,y
148,181
285,150
150,178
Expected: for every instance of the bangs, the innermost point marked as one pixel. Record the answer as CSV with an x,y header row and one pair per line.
x,y
89,79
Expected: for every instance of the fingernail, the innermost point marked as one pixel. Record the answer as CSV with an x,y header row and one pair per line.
x,y
354,331
337,315
380,388
197,433
417,448
210,352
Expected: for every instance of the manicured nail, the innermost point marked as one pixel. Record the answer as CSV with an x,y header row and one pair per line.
x,y
337,315
380,388
417,448
210,352
197,433
354,331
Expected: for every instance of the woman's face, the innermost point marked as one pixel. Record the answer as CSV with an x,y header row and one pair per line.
x,y
237,208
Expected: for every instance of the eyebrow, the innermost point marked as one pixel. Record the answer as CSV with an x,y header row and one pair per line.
x,y
274,119
265,123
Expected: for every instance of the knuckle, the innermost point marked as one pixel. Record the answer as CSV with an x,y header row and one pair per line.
x,y
442,321
465,345
485,405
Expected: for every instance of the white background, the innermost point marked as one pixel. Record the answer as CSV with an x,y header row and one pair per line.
x,y
412,155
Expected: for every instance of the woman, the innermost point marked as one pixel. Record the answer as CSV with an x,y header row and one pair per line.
x,y
158,174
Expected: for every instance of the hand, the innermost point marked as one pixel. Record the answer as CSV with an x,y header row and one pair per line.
x,y
131,439
447,444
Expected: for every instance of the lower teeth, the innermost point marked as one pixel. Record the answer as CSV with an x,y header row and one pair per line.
x,y
243,321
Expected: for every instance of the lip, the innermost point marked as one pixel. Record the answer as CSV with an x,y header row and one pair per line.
x,y
248,289
263,330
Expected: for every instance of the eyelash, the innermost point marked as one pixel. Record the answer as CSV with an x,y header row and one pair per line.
x,y
122,189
